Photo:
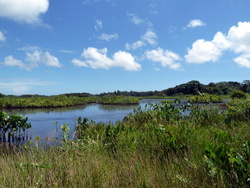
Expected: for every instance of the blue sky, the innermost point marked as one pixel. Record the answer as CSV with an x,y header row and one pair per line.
x,y
63,46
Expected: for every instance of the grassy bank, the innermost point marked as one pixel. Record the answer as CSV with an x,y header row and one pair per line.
x,y
153,147
62,101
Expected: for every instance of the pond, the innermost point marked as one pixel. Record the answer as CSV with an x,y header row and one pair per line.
x,y
47,122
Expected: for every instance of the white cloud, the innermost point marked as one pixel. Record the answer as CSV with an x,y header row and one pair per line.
x,y
29,48
135,19
33,60
43,57
125,60
166,58
243,60
98,25
240,37
203,51
221,41
135,45
149,37
236,40
21,85
27,11
12,62
2,37
97,59
67,51
195,23
138,21
108,37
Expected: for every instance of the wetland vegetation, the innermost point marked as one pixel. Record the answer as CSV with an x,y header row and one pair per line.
x,y
158,145
155,146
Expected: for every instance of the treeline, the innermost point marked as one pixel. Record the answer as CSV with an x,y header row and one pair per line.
x,y
189,88
135,93
220,88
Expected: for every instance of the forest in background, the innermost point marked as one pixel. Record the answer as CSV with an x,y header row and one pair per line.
x,y
189,88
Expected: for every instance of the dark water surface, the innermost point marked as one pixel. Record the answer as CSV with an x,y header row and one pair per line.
x,y
47,122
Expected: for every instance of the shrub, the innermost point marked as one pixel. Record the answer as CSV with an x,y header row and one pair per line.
x,y
238,94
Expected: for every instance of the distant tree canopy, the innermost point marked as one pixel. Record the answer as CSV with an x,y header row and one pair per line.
x,y
135,93
220,88
189,88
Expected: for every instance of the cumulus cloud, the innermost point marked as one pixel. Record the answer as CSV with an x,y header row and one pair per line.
x,y
2,37
97,59
203,51
236,40
43,57
166,58
149,37
195,23
32,60
27,11
108,37
239,36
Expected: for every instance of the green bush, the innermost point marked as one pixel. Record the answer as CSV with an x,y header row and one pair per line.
x,y
238,94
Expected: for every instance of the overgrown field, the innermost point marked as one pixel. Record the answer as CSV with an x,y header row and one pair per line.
x,y
162,145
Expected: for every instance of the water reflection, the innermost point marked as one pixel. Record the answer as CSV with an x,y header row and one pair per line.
x,y
46,122
24,111
117,107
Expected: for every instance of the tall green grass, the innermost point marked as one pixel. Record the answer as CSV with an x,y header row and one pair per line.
x,y
156,146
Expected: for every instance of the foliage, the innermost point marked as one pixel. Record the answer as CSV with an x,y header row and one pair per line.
x,y
13,127
237,111
238,94
205,98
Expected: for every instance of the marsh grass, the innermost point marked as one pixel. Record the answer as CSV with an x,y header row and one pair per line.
x,y
153,147
63,101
